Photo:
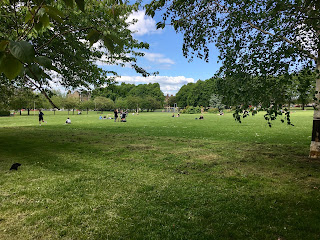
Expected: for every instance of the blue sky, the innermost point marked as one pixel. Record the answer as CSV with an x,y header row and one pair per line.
x,y
165,56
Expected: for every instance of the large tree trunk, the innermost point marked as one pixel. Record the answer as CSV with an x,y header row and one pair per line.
x,y
315,141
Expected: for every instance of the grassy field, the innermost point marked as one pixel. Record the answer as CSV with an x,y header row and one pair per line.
x,y
158,177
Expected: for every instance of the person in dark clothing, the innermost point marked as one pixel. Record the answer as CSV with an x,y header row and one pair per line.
x,y
115,114
123,116
41,117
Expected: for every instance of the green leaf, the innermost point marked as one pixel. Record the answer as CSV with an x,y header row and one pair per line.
x,y
23,51
34,71
69,3
80,4
108,43
45,20
10,66
93,36
42,23
47,63
54,13
3,45
28,17
2,56
44,61
44,75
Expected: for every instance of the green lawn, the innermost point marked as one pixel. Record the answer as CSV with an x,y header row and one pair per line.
x,y
158,177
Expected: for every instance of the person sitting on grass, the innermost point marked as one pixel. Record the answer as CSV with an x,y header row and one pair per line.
x,y
68,121
201,117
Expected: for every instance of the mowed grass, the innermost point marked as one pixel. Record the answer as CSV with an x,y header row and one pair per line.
x,y
158,177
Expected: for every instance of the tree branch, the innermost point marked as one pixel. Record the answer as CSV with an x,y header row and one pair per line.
x,y
32,23
40,88
61,34
271,34
284,39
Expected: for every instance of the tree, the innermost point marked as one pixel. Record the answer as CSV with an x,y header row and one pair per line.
x,y
121,103
43,39
150,103
255,38
172,100
103,104
216,102
184,94
86,105
22,98
71,103
305,82
134,103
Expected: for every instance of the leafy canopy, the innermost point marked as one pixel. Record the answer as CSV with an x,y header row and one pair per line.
x,y
47,42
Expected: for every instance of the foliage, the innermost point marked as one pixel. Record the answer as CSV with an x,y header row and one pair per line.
x,y
85,105
216,102
71,103
147,96
133,103
172,100
45,42
305,86
196,94
150,103
260,43
191,110
213,110
121,103
22,98
103,103
4,113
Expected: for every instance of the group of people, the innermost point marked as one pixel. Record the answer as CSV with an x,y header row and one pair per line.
x,y
123,115
178,115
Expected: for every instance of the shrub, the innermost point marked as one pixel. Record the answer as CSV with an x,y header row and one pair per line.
x,y
4,113
191,110
213,110
182,111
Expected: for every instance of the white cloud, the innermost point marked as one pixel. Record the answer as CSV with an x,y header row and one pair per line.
x,y
158,58
144,25
168,84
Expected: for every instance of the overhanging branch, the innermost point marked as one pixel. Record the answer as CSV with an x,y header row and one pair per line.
x,y
271,34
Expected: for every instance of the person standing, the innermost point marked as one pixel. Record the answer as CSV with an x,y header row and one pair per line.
x,y
115,114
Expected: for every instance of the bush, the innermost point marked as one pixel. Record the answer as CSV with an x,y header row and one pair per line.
x,y
191,110
4,113
182,111
213,110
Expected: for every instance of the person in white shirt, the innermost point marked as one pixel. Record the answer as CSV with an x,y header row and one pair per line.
x,y
68,121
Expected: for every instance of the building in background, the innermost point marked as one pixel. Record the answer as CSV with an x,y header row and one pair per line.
x,y
81,95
